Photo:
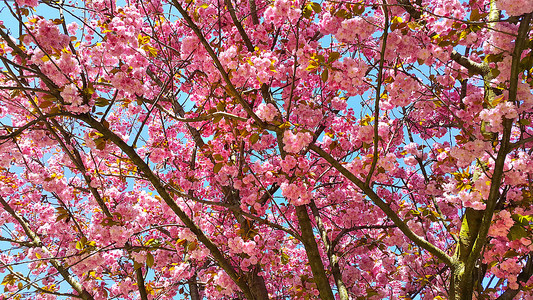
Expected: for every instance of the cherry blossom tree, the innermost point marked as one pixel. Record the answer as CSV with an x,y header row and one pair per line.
x,y
287,149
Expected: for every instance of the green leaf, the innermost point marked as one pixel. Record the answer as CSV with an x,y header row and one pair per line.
x,y
510,253
254,138
445,43
313,65
358,9
342,13
284,258
79,245
9,279
523,220
325,75
100,143
217,168
89,90
524,122
517,232
494,57
307,12
371,292
316,7
333,56
192,246
101,102
475,15
46,104
149,259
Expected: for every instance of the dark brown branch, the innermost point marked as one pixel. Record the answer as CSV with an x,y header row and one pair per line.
x,y
330,251
37,240
519,143
378,93
497,175
470,65
253,12
410,9
313,255
354,228
165,195
19,130
384,207
238,24
140,283
522,279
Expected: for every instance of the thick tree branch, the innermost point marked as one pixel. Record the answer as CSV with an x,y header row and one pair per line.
x,y
410,9
253,12
497,175
384,207
37,240
238,24
165,195
522,279
19,130
231,88
330,251
311,248
375,155
470,65
140,283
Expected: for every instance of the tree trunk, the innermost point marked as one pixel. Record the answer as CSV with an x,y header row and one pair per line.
x,y
313,255
257,284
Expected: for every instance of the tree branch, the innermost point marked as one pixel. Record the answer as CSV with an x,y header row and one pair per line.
x,y
37,240
165,195
523,278
497,175
384,207
378,93
231,88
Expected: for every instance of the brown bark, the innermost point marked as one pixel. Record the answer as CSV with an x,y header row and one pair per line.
x,y
313,255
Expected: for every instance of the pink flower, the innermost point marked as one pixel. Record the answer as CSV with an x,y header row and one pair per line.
x,y
296,193
329,24
31,3
410,161
515,7
294,143
501,225
71,95
267,112
366,134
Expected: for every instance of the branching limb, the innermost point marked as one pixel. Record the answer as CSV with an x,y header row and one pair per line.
x,y
497,175
332,256
144,168
384,207
231,88
378,93
37,240
522,279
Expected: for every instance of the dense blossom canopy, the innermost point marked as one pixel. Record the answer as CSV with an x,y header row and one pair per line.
x,y
258,149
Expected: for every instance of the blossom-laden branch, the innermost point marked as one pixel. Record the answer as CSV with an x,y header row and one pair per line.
x,y
35,239
384,207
